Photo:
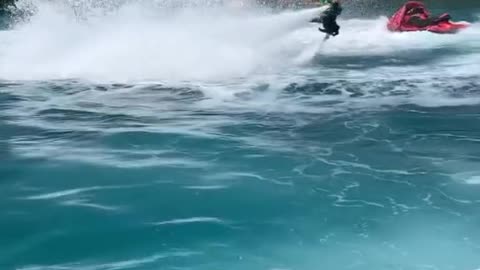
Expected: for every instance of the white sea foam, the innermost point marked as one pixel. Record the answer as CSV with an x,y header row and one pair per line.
x,y
71,192
213,220
138,42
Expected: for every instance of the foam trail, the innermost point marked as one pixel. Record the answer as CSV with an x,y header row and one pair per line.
x,y
134,43
144,42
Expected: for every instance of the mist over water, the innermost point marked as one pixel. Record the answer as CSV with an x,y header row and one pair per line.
x,y
199,135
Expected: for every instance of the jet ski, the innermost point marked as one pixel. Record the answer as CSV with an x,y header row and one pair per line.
x,y
401,21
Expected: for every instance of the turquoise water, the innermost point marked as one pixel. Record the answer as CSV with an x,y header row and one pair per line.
x,y
234,139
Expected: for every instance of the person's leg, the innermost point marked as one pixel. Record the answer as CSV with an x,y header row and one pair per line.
x,y
330,25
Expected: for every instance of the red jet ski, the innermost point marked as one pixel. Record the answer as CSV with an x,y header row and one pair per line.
x,y
401,20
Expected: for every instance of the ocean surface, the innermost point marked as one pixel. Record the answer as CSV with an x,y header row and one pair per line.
x,y
145,136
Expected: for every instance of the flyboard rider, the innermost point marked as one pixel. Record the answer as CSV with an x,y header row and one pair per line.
x,y
328,18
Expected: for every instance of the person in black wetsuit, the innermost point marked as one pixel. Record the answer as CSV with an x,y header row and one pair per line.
x,y
328,19
418,20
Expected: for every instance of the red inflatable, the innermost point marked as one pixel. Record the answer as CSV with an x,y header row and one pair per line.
x,y
399,21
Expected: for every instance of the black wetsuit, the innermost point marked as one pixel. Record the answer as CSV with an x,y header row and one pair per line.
x,y
328,19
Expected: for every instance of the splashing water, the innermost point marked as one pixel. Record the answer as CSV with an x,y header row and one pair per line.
x,y
136,43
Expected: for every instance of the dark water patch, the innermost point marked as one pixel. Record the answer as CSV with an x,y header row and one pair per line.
x,y
69,113
102,119
9,101
376,89
177,93
115,86
6,98
6,84
468,87
312,89
6,18
76,136
71,86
